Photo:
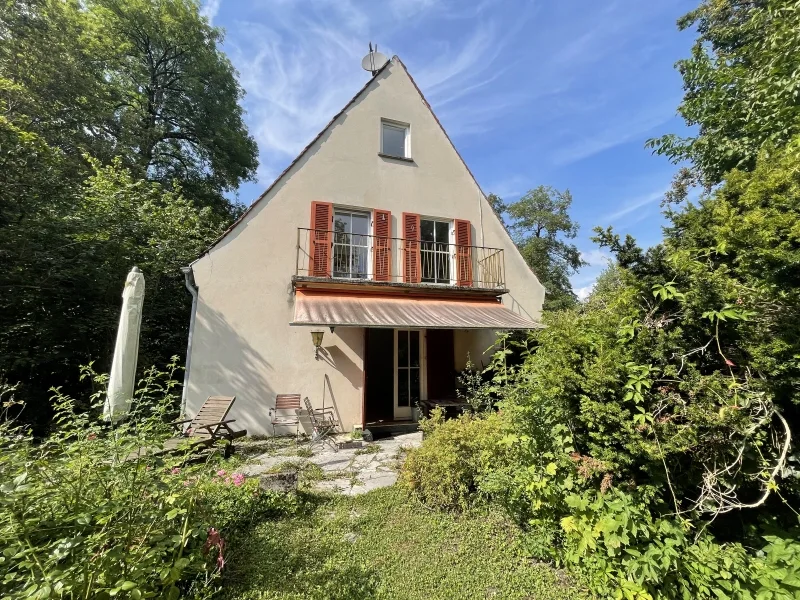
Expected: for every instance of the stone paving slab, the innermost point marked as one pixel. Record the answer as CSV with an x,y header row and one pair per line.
x,y
350,472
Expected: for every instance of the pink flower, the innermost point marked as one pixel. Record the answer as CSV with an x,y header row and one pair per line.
x,y
238,479
729,362
175,470
214,540
227,481
221,473
187,483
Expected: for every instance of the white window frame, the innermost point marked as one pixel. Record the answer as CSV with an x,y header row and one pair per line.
x,y
400,414
369,235
451,245
406,128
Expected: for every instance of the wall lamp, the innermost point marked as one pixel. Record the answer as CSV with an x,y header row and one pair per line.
x,y
316,337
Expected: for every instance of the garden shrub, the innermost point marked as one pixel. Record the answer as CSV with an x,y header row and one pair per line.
x,y
84,513
447,470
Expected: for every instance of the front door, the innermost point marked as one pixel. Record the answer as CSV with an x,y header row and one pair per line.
x,y
407,372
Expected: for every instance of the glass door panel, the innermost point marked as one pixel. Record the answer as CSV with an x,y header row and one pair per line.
x,y
408,374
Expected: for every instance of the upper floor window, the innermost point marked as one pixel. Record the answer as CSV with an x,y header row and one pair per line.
x,y
435,251
350,244
395,139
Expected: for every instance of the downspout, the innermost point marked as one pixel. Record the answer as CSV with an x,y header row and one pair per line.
x,y
188,276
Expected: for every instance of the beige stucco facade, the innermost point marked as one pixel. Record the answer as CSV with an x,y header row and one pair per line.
x,y
242,343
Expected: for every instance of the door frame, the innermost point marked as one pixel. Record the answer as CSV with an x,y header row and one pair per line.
x,y
423,373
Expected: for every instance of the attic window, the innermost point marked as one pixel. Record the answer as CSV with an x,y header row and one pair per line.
x,y
395,139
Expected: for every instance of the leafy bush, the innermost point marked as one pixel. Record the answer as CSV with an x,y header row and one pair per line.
x,y
94,511
447,470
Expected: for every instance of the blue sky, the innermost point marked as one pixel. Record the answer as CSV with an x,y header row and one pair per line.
x,y
531,92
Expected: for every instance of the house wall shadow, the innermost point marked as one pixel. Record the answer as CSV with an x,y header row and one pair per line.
x,y
225,363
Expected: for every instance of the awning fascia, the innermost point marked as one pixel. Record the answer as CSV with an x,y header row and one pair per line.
x,y
326,309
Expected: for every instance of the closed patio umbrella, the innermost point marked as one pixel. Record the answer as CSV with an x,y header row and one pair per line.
x,y
126,351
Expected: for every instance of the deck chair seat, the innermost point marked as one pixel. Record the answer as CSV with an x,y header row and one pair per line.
x,y
210,425
323,424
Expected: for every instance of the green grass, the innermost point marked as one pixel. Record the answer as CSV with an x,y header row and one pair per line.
x,y
384,545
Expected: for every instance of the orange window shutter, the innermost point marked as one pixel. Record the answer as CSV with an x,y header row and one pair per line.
x,y
382,246
463,253
321,237
412,270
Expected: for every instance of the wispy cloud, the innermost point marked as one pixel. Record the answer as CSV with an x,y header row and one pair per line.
x,y
633,205
210,9
583,292
300,65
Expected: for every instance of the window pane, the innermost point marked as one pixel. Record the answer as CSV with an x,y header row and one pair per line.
x,y
341,222
402,348
426,230
360,224
394,140
359,266
414,347
341,260
402,388
443,267
341,225
414,391
442,232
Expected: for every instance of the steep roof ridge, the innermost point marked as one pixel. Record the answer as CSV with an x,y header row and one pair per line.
x,y
330,123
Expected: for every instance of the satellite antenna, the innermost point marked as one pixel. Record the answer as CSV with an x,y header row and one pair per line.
x,y
373,61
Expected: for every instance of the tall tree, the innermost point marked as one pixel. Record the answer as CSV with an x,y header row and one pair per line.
x,y
742,85
120,132
178,111
541,227
140,79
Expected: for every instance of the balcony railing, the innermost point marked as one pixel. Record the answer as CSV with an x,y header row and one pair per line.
x,y
362,257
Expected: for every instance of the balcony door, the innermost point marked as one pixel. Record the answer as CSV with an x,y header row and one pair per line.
x,y
435,251
351,244
407,371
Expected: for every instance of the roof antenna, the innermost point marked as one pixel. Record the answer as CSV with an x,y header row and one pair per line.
x,y
374,61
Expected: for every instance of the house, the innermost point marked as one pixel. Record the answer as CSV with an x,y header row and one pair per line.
x,y
378,236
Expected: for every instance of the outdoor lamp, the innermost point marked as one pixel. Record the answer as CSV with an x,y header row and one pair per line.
x,y
316,337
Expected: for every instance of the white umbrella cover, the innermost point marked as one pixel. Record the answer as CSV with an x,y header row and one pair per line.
x,y
126,351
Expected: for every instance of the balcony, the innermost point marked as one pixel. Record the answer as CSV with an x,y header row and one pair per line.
x,y
326,257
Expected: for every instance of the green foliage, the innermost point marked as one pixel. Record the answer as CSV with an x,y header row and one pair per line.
x,y
541,226
448,469
473,388
64,266
646,440
114,151
92,511
137,79
741,85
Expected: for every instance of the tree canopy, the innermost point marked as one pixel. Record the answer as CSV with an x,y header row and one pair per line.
x,y
120,132
741,85
143,80
541,227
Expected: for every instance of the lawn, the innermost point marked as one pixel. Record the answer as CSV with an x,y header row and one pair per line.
x,y
385,545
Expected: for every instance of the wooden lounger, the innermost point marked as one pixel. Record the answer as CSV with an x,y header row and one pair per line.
x,y
209,424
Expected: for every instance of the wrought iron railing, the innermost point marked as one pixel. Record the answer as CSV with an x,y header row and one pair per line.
x,y
354,257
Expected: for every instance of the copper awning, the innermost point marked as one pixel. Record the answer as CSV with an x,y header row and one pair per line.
x,y
328,309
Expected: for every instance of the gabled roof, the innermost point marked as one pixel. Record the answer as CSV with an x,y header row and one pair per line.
x,y
360,92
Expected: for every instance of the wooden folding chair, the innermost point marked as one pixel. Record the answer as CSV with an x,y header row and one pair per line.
x,y
323,424
209,425
286,403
